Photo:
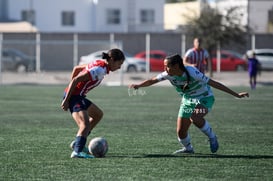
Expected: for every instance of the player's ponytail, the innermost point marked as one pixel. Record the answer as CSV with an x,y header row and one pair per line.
x,y
105,56
176,59
115,54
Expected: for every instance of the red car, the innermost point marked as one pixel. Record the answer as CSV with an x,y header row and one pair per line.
x,y
230,61
156,59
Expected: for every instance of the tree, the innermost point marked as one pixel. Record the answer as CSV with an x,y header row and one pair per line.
x,y
216,28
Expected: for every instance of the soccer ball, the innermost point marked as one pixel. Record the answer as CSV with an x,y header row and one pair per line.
x,y
98,147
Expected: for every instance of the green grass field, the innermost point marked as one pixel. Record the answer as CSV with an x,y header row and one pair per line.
x,y
141,132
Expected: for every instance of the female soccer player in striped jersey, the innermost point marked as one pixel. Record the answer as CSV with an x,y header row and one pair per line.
x,y
197,99
85,113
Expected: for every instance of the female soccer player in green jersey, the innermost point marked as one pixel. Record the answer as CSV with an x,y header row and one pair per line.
x,y
197,99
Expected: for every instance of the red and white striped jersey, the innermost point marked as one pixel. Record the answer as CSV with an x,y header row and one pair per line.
x,y
97,70
197,57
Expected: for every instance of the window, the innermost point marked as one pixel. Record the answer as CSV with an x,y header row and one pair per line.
x,y
224,56
113,16
28,15
147,16
68,18
157,56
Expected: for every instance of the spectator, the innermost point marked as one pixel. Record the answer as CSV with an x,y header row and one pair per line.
x,y
253,69
197,56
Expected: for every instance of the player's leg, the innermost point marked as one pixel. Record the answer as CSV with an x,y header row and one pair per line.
x,y
95,115
78,109
183,124
82,120
199,121
183,136
86,121
254,80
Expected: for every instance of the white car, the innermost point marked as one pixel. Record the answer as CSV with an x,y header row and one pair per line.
x,y
131,64
265,57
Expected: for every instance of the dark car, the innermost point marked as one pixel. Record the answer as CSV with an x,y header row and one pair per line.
x,y
15,60
230,61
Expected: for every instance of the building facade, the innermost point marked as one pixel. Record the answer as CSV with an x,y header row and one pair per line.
x,y
87,15
178,15
260,16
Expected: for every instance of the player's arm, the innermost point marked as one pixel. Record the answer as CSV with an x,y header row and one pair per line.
x,y
224,88
76,70
83,76
145,83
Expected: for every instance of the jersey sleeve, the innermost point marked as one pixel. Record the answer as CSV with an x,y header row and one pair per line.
x,y
206,54
197,75
97,73
162,76
188,52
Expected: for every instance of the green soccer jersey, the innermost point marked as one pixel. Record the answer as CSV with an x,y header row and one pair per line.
x,y
197,88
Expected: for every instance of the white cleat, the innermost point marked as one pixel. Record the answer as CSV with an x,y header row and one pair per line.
x,y
85,149
80,155
183,150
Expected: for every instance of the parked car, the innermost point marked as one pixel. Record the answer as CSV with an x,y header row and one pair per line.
x,y
156,59
131,64
230,61
15,60
265,57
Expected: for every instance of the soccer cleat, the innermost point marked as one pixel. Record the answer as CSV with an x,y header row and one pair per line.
x,y
80,155
85,149
213,144
184,150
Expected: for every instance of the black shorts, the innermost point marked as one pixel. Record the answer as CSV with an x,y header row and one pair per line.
x,y
78,103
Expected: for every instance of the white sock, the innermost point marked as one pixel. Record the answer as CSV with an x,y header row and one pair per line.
x,y
207,130
186,142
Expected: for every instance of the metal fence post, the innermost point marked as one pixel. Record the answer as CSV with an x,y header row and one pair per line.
x,y
1,40
75,49
112,40
38,52
183,44
218,67
253,42
148,42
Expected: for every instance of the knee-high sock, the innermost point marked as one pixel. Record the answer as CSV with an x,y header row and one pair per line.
x,y
79,144
207,130
186,142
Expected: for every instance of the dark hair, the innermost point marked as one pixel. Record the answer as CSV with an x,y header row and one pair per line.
x,y
199,39
177,59
115,54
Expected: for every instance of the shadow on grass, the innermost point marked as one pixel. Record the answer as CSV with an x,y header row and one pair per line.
x,y
196,155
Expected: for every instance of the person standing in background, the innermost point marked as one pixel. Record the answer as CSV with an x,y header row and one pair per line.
x,y
253,69
197,56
